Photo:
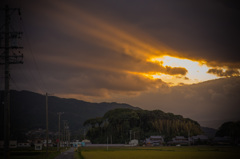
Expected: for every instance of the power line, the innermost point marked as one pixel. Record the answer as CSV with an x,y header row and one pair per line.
x,y
41,81
14,83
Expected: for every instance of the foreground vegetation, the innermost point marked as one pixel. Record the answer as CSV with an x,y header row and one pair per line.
x,y
30,153
198,152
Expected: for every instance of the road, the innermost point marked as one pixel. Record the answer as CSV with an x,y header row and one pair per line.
x,y
66,154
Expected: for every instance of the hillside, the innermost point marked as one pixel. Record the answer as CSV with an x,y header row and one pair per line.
x,y
28,111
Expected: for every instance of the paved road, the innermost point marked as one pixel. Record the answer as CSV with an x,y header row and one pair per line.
x,y
66,154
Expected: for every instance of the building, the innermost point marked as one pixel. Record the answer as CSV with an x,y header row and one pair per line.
x,y
199,139
179,140
12,144
154,141
85,142
50,144
133,142
226,140
76,143
23,144
38,146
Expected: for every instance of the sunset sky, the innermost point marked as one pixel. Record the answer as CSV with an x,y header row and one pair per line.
x,y
176,56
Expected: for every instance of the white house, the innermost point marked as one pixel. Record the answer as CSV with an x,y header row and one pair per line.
x,y
38,146
49,143
133,142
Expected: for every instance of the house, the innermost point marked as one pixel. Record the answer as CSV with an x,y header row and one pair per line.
x,y
85,142
154,141
38,146
12,144
199,139
179,140
50,144
23,144
133,142
226,140
76,143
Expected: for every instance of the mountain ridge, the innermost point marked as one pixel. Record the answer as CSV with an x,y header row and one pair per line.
x,y
28,111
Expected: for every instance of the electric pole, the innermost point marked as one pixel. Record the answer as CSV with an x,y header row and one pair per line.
x,y
67,134
130,134
46,125
59,125
7,58
64,132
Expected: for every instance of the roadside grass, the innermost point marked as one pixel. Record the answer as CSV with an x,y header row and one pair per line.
x,y
78,154
196,152
30,153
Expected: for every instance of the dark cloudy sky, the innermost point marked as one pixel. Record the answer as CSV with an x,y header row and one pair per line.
x,y
153,54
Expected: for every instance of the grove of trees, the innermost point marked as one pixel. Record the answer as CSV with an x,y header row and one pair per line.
x,y
231,129
121,125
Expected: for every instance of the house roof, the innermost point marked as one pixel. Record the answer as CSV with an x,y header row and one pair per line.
x,y
155,137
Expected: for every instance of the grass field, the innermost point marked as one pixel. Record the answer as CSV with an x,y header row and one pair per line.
x,y
198,152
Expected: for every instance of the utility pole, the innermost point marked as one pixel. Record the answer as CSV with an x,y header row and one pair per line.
x,y
67,134
59,125
69,138
130,134
64,132
111,138
84,133
7,58
107,143
46,125
188,137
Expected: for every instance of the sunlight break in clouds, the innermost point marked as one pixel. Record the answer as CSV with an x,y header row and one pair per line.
x,y
197,71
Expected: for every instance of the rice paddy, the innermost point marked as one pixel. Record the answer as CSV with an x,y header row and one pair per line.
x,y
198,152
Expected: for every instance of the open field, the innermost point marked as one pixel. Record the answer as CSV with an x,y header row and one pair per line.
x,y
196,152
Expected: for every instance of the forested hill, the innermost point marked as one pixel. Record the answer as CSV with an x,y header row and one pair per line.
x,y
142,123
28,111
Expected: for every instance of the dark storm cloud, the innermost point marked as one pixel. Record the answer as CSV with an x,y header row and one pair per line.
x,y
206,30
222,73
196,29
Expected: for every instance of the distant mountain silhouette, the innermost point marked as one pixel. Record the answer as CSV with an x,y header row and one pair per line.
x,y
209,132
28,111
